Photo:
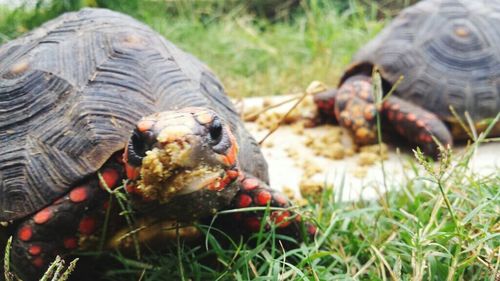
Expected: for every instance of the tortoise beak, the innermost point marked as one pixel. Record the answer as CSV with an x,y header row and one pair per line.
x,y
179,152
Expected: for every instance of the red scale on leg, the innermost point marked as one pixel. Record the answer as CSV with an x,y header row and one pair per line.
x,y
43,216
110,177
250,184
25,233
263,198
244,201
70,243
38,262
281,218
288,222
78,194
35,250
87,225
311,229
253,224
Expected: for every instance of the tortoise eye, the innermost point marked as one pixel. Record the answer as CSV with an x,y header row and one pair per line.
x,y
215,130
219,138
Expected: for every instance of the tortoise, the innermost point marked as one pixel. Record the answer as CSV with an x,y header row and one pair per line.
x,y
95,102
447,52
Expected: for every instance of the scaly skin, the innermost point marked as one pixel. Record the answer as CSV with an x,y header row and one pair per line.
x,y
255,193
354,108
75,221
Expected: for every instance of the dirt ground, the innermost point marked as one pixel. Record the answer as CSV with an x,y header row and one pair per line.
x,y
308,159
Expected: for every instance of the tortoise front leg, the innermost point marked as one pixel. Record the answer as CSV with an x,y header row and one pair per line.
x,y
67,224
417,125
255,193
355,109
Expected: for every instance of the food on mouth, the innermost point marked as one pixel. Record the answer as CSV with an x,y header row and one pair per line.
x,y
167,172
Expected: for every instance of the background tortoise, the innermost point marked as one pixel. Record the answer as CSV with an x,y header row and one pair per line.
x,y
448,52
82,88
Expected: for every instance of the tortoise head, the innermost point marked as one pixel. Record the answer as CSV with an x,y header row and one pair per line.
x,y
175,153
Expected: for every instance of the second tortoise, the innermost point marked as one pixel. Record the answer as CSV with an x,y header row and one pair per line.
x,y
448,53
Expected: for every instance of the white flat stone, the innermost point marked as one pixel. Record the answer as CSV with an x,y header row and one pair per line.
x,y
286,171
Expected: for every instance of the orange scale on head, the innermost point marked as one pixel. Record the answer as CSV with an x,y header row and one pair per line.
x,y
204,117
145,125
233,174
232,155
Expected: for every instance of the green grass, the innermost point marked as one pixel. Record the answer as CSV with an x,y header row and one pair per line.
x,y
443,224
253,55
440,225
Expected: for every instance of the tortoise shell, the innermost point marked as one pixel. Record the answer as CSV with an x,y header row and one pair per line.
x,y
448,52
71,92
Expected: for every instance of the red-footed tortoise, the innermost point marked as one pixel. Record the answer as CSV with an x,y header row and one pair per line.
x,y
448,52
95,93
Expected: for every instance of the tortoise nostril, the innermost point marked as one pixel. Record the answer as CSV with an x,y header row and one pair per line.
x,y
215,131
137,148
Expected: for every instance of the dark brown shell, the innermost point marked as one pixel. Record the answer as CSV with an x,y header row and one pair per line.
x,y
72,90
448,52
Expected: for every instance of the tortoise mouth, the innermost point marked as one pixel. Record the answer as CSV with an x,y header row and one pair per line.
x,y
180,152
171,171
